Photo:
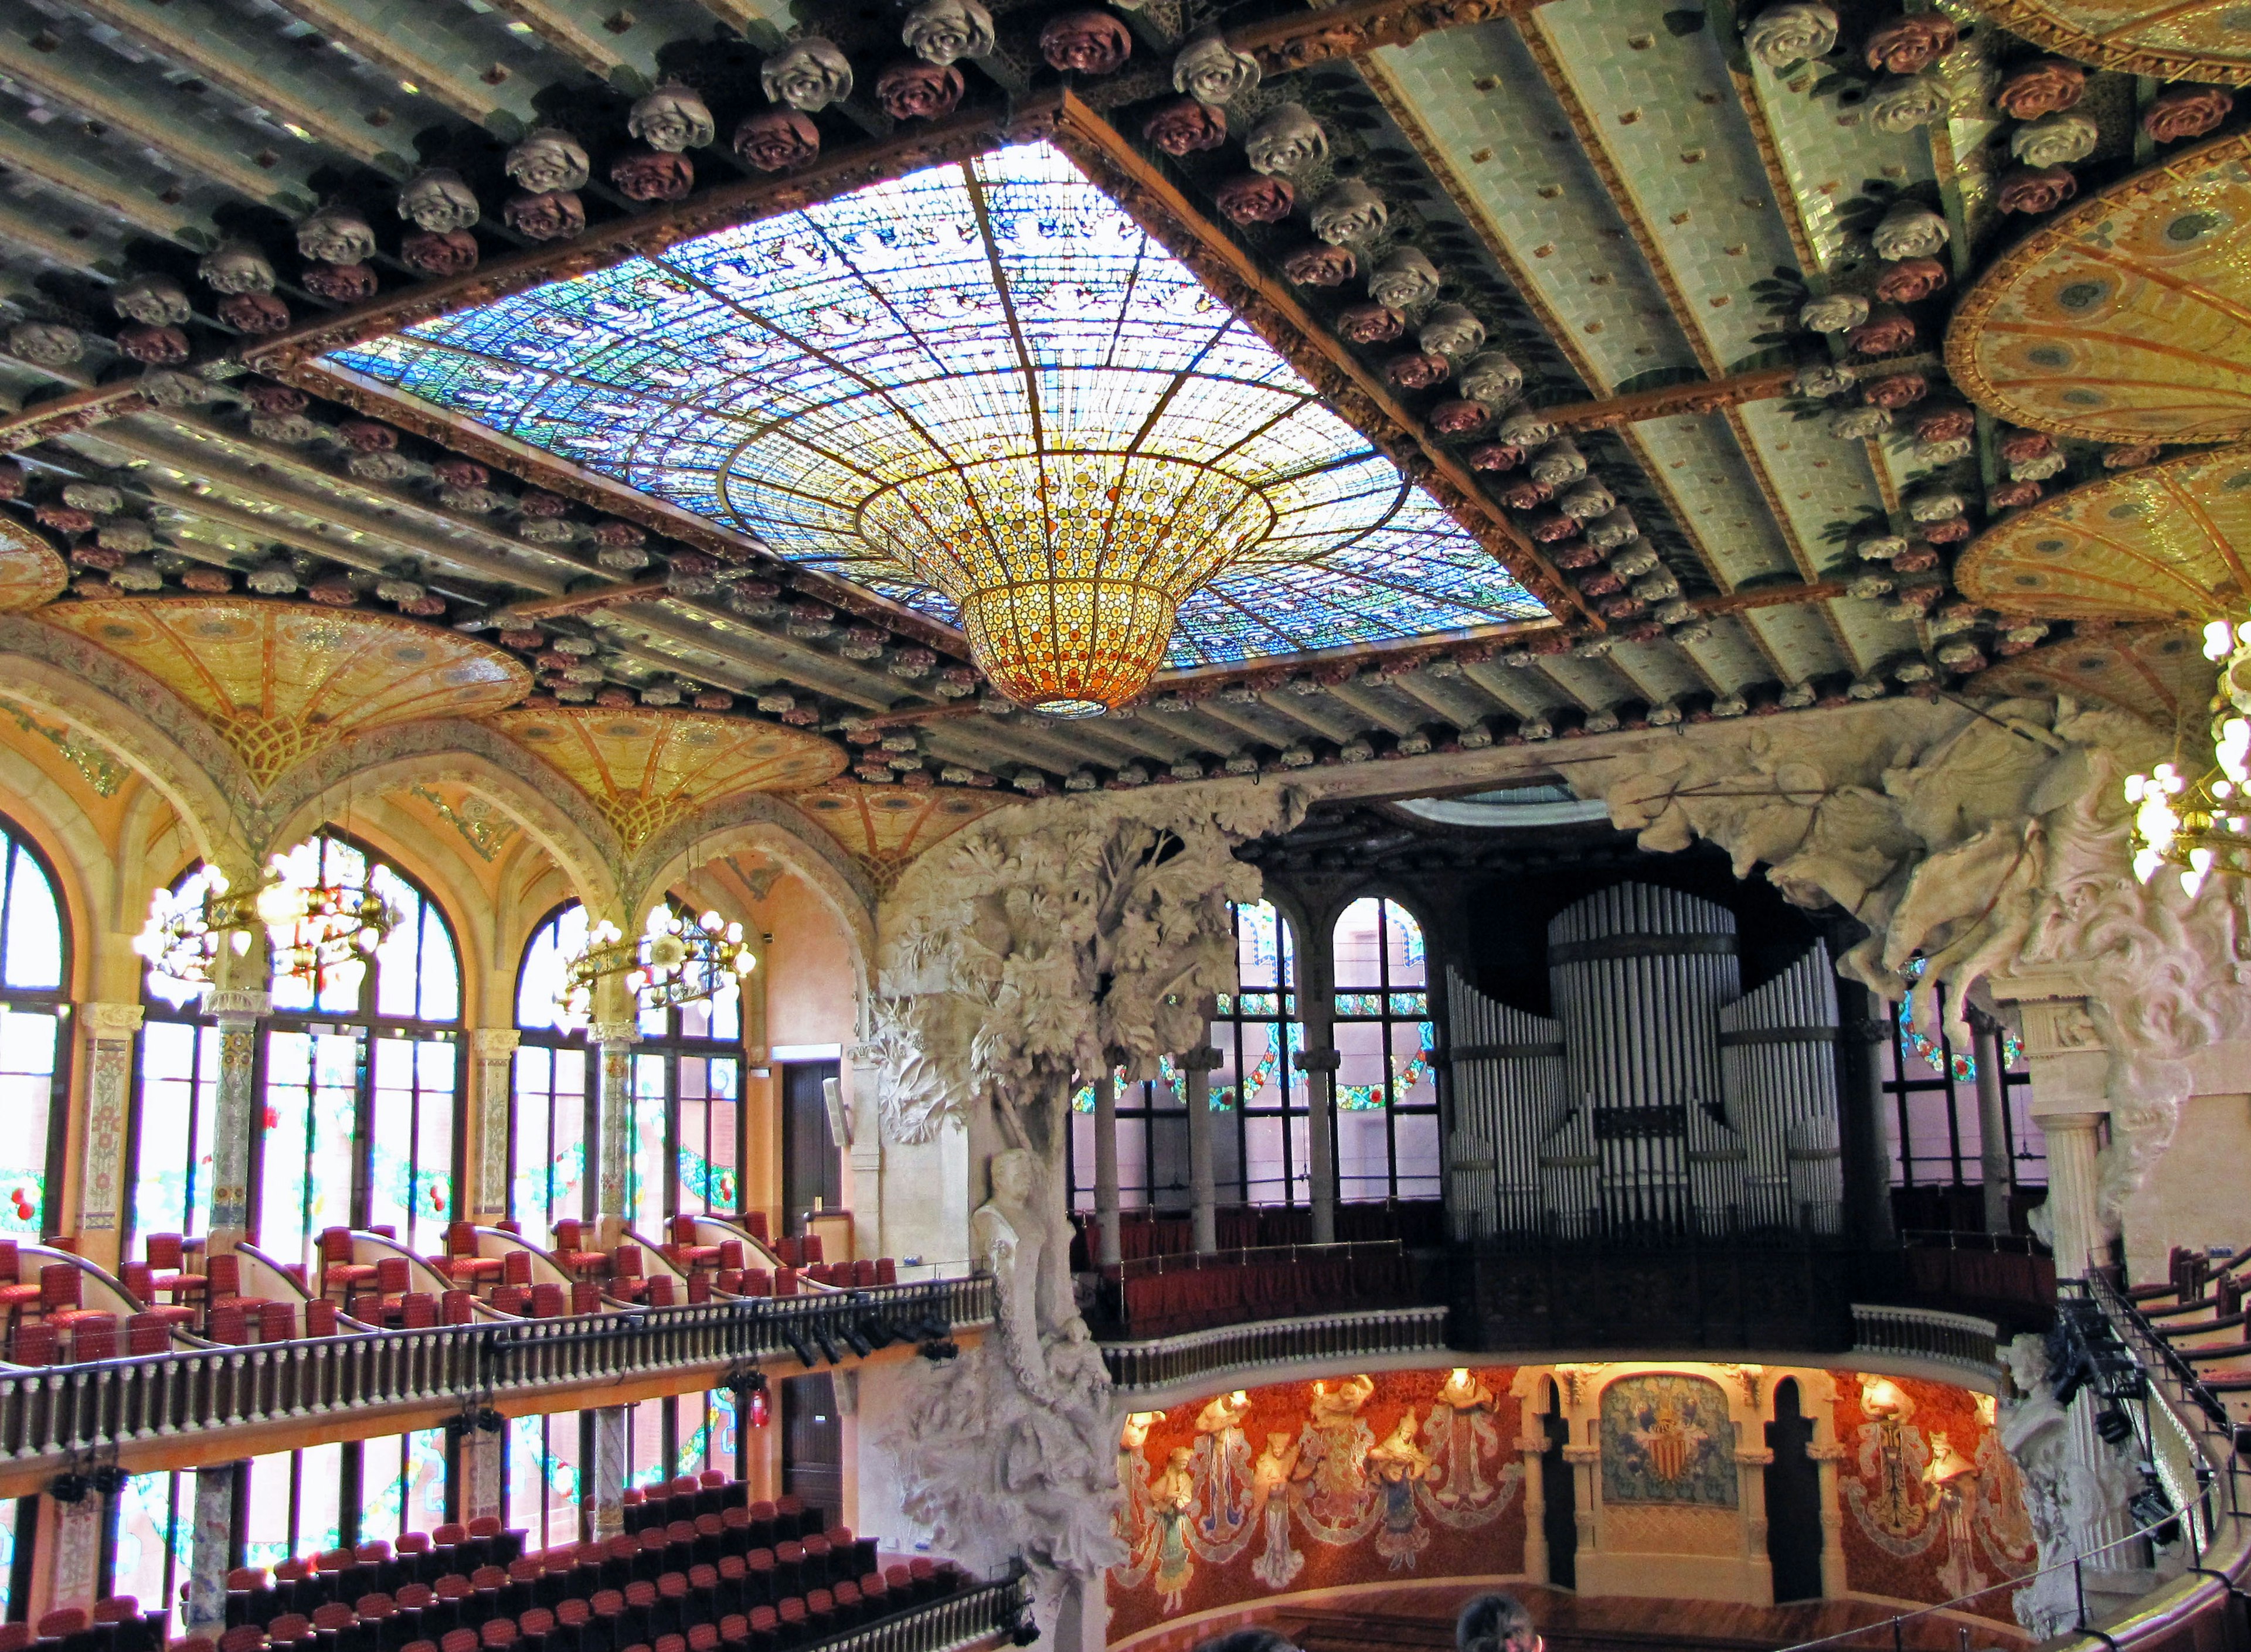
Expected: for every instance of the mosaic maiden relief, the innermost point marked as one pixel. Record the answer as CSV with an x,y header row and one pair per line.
x,y
1934,1508
1307,1485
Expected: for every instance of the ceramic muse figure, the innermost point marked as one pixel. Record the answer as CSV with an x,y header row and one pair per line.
x,y
1051,941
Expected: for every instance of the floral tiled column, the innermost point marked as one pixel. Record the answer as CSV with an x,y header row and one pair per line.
x,y
109,1034
492,1058
613,1044
236,1012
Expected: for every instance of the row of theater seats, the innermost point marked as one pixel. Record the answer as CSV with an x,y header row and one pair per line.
x,y
116,1625
701,1565
2203,1311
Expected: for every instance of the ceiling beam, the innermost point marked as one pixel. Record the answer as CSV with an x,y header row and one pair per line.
x,y
199,39
581,46
39,238
359,30
63,415
51,167
1772,596
138,112
1701,395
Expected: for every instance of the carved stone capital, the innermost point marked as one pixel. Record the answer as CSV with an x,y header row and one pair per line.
x,y
614,1032
1583,1454
236,1003
111,1020
494,1043
1318,1061
1203,1059
1753,1457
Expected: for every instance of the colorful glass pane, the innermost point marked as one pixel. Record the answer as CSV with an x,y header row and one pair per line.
x,y
908,385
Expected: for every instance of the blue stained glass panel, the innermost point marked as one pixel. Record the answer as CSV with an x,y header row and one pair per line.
x,y
773,377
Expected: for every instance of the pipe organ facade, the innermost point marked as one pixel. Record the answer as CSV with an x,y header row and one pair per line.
x,y
1660,1099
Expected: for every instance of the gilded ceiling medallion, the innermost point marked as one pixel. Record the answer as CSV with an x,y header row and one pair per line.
x,y
645,770
281,681
2202,40
30,572
2158,673
2127,318
886,827
2164,542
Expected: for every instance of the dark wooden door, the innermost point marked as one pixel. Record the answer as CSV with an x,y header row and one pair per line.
x,y
1559,1484
811,1167
812,1443
1793,1499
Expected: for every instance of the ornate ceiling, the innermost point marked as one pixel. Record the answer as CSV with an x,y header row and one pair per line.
x,y
1758,348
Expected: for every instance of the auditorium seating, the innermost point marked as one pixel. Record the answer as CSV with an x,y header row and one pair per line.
x,y
697,1564
2201,1312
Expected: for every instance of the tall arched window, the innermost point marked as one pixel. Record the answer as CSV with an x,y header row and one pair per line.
x,y
687,1086
1387,1100
34,1005
1258,1094
551,1105
361,1081
175,1103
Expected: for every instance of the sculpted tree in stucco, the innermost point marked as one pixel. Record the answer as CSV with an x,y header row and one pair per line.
x,y
1043,947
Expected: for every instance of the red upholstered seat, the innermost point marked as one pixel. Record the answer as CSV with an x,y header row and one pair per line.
x,y
340,1275
461,1254
64,1620
570,1249
93,1337
658,1291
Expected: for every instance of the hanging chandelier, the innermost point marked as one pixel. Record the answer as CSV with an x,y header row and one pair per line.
x,y
2201,825
310,928
673,961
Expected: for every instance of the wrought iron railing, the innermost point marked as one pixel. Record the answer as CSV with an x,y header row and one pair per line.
x,y
1927,1333
57,1412
974,1614
1164,1360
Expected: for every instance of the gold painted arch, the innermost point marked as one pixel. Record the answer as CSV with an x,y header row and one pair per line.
x,y
31,571
2168,543
2158,673
2166,40
281,681
886,827
2128,318
646,770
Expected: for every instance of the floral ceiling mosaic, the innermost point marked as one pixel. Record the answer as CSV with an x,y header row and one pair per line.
x,y
855,386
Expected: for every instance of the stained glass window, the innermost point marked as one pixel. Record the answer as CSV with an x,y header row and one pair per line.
x,y
34,1075
551,1119
151,1541
1387,1100
542,1490
841,382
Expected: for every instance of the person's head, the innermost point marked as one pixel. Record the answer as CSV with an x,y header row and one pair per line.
x,y
1249,1640
1495,1623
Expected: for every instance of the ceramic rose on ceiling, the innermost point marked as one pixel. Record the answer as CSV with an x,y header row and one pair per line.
x,y
1910,230
236,266
45,343
1903,102
336,235
941,30
438,200
1451,330
670,119
548,160
1286,140
154,300
1349,211
1404,280
1833,313
1210,71
1492,378
1791,33
807,75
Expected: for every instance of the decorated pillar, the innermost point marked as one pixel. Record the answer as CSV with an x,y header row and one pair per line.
x,y
211,1550
481,1473
1751,1462
1827,1451
109,1033
1195,1066
1862,1032
2070,1069
1532,1447
76,1579
1998,1174
859,1076
236,1013
609,1500
492,1066
613,1044
1110,1240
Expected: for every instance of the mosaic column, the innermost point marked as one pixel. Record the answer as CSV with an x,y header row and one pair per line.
x,y
613,1044
236,1012
1319,1066
1531,1447
78,1550
110,1032
1105,1172
1826,1453
1197,1065
492,1057
1992,1122
210,1550
481,1471
609,1482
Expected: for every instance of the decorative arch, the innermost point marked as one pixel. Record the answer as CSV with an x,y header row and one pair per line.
x,y
85,867
37,960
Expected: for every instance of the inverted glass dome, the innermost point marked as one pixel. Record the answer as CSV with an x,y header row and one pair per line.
x,y
984,391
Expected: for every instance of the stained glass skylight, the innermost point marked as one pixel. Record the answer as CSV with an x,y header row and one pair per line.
x,y
852,383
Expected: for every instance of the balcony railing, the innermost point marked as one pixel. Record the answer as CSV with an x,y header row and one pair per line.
x,y
53,1413
1275,1342
1926,1333
989,1610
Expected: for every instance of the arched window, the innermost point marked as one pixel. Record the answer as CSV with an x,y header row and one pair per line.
x,y
1387,1100
551,1104
175,1102
362,1079
34,1005
1258,1094
687,1086
685,1152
